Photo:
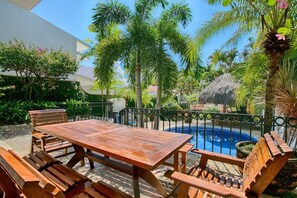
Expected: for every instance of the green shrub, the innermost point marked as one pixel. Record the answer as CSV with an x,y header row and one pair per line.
x,y
16,112
77,107
62,91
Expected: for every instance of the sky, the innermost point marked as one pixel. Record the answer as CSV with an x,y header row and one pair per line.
x,y
74,17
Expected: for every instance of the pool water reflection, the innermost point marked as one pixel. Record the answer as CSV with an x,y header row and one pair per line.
x,y
216,139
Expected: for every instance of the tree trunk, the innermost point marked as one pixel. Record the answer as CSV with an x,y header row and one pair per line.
x,y
270,88
30,91
138,89
158,103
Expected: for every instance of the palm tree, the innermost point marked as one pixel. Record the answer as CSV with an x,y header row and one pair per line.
x,y
129,44
169,38
250,17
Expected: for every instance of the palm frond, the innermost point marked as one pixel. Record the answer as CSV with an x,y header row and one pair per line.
x,y
240,33
144,8
109,50
110,12
220,22
179,13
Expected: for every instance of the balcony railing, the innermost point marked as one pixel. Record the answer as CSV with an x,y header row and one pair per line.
x,y
86,111
218,132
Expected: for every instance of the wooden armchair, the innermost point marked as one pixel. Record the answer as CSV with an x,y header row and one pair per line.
x,y
19,179
68,181
43,141
260,167
42,176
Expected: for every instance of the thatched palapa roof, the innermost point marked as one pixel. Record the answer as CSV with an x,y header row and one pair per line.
x,y
220,91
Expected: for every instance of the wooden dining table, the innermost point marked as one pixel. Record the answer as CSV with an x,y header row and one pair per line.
x,y
142,150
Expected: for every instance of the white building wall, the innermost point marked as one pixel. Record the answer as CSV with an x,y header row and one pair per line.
x,y
23,25
16,22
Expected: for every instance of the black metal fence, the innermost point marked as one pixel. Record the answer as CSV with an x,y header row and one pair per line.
x,y
218,132
86,111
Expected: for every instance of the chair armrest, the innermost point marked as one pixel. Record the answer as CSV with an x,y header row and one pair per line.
x,y
21,175
204,185
39,135
186,148
220,157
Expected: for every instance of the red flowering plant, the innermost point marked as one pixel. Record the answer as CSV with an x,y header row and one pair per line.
x,y
36,66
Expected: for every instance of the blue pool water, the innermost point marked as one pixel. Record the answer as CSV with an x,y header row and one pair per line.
x,y
217,140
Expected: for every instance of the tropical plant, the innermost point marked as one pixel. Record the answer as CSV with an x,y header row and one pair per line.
x,y
139,42
286,98
117,84
129,44
16,112
34,65
168,37
224,60
251,74
77,108
5,88
272,19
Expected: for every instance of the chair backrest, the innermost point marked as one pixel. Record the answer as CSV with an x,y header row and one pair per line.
x,y
51,116
19,179
264,162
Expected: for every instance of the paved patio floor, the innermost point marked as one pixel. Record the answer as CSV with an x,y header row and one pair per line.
x,y
18,138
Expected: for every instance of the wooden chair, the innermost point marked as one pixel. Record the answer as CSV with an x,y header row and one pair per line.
x,y
46,142
19,179
260,167
68,181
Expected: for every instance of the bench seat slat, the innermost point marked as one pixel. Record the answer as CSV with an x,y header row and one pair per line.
x,y
54,180
61,177
78,178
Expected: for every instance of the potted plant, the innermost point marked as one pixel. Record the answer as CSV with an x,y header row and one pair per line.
x,y
243,149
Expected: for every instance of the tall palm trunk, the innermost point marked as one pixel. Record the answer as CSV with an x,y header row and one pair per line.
x,y
274,59
158,103
274,50
138,89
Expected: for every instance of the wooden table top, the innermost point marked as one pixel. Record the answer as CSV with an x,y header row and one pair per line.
x,y
144,148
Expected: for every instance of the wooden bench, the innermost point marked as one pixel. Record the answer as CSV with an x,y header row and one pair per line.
x,y
69,182
43,141
19,179
260,167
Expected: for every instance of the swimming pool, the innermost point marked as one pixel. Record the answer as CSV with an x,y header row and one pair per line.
x,y
217,140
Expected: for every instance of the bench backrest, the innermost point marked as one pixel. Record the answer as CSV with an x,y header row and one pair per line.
x,y
264,162
51,116
19,179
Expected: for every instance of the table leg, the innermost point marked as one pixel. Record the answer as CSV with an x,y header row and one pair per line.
x,y
135,178
150,178
78,156
176,164
90,161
